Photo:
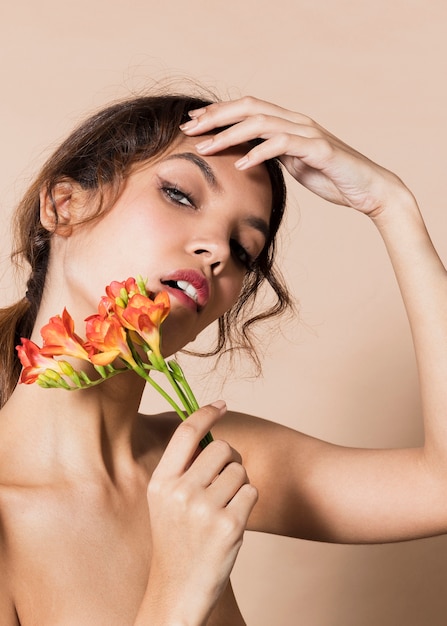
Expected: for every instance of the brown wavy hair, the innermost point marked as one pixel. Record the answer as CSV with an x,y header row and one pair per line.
x,y
99,155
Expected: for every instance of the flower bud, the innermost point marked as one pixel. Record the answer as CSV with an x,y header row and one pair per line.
x,y
66,368
141,285
176,370
123,298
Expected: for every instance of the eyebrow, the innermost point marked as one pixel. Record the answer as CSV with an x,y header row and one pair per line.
x,y
255,222
201,164
258,224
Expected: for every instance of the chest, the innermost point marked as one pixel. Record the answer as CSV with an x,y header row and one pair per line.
x,y
80,562
77,562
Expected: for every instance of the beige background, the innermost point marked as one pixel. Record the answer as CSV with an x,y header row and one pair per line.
x,y
374,73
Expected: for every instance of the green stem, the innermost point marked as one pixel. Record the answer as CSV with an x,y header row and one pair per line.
x,y
188,399
141,372
179,390
187,389
191,402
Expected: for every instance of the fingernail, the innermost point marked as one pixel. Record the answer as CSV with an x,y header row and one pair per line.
x,y
188,125
242,163
204,145
219,404
196,112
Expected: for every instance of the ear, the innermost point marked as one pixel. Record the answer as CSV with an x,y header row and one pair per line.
x,y
57,207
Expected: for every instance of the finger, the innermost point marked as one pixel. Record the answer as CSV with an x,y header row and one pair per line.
x,y
227,484
309,152
265,127
309,161
264,124
242,504
185,440
314,153
211,462
256,127
221,114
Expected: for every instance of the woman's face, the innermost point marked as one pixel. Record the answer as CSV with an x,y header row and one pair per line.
x,y
190,225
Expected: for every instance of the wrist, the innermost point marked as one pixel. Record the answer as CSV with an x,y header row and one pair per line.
x,y
399,208
165,604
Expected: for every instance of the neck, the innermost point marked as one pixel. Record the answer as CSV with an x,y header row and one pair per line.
x,y
92,429
88,431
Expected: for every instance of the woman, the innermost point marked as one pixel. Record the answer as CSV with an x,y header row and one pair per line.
x,y
111,517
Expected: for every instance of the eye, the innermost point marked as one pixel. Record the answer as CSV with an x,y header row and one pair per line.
x,y
176,195
241,254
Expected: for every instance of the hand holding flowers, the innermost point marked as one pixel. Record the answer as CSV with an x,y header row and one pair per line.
x,y
124,335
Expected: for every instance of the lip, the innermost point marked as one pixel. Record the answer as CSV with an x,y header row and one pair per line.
x,y
196,279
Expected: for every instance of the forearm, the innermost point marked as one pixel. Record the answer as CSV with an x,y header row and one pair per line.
x,y
423,283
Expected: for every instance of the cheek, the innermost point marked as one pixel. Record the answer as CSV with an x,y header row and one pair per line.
x,y
229,293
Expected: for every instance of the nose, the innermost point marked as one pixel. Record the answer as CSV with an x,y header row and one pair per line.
x,y
214,250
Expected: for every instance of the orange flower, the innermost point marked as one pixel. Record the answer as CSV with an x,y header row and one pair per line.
x,y
145,316
106,334
127,319
33,361
59,338
120,292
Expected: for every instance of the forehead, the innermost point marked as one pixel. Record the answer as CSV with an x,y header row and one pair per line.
x,y
252,186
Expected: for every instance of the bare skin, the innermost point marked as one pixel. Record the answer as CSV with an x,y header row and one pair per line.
x,y
108,517
66,532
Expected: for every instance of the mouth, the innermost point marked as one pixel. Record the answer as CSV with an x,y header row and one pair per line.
x,y
189,286
184,286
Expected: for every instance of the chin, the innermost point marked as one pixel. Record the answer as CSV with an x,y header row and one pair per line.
x,y
169,349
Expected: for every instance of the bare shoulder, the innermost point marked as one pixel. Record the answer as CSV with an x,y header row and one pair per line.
x,y
243,431
251,434
247,433
268,447
281,463
28,510
157,430
30,507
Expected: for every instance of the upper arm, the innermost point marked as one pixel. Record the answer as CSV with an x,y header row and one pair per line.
x,y
315,490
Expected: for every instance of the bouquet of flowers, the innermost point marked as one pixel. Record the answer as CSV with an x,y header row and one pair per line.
x,y
124,335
